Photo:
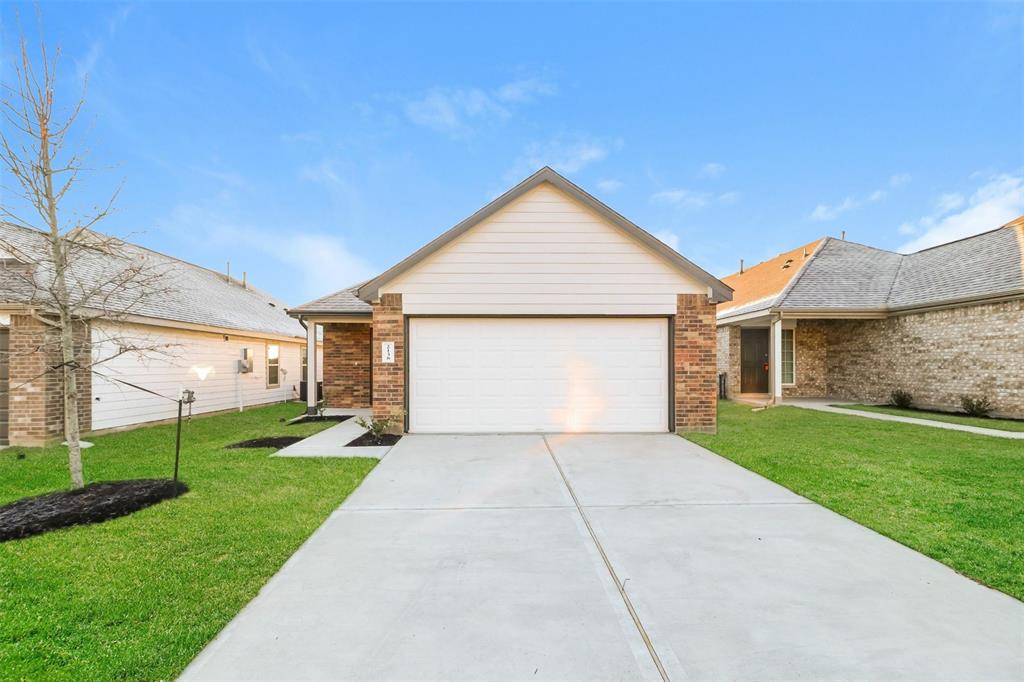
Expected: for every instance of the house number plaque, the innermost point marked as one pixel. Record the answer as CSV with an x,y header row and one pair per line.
x,y
387,352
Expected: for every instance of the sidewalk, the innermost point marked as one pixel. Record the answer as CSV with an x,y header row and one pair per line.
x,y
331,442
827,406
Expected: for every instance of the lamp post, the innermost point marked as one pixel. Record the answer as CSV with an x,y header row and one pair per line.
x,y
187,397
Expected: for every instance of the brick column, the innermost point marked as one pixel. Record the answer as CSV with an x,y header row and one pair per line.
x,y
347,364
729,358
35,406
389,378
696,380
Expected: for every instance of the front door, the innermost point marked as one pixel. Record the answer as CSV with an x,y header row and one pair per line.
x,y
754,361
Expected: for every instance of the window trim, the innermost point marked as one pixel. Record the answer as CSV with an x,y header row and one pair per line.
x,y
303,364
277,360
782,352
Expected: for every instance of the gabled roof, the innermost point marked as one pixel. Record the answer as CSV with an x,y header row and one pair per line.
x,y
187,292
842,276
720,291
759,286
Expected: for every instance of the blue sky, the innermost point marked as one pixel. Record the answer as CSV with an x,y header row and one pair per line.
x,y
313,145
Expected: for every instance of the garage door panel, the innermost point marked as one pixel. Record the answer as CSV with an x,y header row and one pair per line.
x,y
533,374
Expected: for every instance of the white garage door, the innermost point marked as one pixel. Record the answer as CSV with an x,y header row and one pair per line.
x,y
538,374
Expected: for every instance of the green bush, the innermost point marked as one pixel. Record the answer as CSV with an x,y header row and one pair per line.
x,y
901,398
976,407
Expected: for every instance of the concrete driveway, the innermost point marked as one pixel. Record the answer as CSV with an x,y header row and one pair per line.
x,y
604,557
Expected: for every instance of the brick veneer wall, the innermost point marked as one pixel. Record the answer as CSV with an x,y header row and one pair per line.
x,y
36,406
696,380
347,362
811,357
389,378
937,355
729,358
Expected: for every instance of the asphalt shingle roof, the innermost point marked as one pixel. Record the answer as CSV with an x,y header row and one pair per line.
x,y
187,292
843,275
987,264
344,302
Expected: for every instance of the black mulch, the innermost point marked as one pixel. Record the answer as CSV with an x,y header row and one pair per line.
x,y
94,503
367,440
322,418
271,442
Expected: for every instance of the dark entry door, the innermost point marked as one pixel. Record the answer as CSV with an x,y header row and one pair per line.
x,y
754,361
5,383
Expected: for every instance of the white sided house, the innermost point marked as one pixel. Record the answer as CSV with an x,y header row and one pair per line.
x,y
545,311
232,344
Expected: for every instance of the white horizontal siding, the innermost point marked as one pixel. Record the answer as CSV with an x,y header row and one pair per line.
x,y
543,254
187,355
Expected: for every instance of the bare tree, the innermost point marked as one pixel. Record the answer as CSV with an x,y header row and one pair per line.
x,y
71,274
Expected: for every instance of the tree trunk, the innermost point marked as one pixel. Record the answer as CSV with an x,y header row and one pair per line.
x,y
70,383
59,251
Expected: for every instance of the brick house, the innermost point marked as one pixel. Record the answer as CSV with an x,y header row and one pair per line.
x,y
543,311
230,342
842,320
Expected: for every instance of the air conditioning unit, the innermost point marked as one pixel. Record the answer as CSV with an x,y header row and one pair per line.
x,y
245,364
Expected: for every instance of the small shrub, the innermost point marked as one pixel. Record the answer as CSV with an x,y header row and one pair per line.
x,y
377,427
901,398
976,407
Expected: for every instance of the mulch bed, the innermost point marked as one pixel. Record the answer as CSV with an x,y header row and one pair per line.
x,y
94,503
367,440
324,418
277,442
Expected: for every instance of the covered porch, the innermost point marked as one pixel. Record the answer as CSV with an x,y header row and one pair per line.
x,y
347,370
771,357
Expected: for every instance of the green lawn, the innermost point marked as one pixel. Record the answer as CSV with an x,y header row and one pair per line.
x,y
954,496
139,596
984,422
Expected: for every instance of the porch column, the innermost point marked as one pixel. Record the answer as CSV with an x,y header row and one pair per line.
x,y
311,368
775,362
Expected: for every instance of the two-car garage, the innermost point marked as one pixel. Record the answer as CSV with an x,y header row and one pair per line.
x,y
553,374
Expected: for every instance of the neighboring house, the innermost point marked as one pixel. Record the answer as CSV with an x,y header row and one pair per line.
x,y
841,320
195,332
545,311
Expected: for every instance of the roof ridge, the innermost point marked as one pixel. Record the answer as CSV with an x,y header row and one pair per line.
x,y
895,278
803,269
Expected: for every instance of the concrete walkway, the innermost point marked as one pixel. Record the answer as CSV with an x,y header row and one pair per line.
x,y
829,406
604,557
331,442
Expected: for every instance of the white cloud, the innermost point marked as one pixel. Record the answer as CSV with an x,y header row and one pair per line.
x,y
453,110
609,185
712,169
949,202
832,211
85,66
729,197
823,211
669,238
322,262
278,65
992,205
449,111
525,90
681,197
566,154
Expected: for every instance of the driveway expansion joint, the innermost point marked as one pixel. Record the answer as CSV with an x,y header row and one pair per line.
x,y
619,585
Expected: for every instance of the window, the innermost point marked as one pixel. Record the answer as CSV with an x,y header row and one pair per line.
x,y
273,365
305,364
788,357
